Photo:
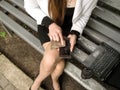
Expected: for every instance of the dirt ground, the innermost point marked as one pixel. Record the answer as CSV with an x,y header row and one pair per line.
x,y
28,59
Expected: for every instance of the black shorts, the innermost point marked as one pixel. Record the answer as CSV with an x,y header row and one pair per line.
x,y
43,34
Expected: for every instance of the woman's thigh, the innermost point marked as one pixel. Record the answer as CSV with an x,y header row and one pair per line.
x,y
51,54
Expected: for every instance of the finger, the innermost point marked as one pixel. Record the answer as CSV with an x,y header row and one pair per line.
x,y
56,37
50,37
71,47
61,39
72,43
69,36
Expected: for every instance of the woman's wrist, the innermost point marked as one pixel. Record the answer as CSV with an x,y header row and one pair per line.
x,y
47,21
51,26
74,32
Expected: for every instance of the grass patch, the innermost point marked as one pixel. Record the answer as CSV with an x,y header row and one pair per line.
x,y
2,34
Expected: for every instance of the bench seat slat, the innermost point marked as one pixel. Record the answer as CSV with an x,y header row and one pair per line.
x,y
21,16
79,55
21,32
105,29
19,3
70,69
97,37
107,16
89,84
113,3
87,44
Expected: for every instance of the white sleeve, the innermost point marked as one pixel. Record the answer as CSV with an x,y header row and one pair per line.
x,y
87,9
34,10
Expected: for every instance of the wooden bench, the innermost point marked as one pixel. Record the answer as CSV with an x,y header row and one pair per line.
x,y
103,25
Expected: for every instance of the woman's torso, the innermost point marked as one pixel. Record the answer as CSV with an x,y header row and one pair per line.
x,y
66,26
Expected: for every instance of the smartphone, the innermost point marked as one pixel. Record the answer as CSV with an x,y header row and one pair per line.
x,y
64,52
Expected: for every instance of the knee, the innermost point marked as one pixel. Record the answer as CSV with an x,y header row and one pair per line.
x,y
50,58
49,63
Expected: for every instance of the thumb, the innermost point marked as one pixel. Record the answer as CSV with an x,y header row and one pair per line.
x,y
69,36
71,47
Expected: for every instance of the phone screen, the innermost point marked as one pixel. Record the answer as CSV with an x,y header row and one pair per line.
x,y
64,52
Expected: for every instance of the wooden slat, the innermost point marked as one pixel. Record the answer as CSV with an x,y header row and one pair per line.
x,y
105,29
112,3
107,16
21,32
19,3
89,84
95,36
20,15
98,37
87,44
79,55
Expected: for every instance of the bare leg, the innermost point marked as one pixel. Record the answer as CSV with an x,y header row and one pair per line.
x,y
47,65
56,74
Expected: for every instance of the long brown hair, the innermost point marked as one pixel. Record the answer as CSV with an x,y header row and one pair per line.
x,y
57,10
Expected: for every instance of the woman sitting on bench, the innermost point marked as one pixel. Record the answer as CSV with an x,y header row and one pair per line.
x,y
55,19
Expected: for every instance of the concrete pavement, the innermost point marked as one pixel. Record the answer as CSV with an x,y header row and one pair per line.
x,y
5,84
11,77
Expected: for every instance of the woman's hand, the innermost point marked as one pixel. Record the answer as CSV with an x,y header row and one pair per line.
x,y
72,38
55,33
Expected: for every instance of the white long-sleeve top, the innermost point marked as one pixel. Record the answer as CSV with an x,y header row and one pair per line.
x,y
38,9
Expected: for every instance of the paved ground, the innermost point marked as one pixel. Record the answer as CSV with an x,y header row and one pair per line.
x,y
5,84
11,77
